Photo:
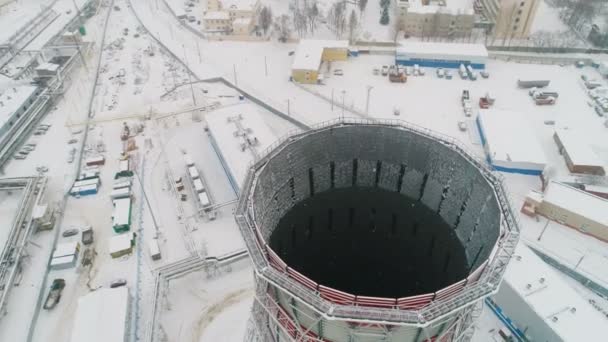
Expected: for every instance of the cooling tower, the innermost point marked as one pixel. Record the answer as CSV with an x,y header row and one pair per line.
x,y
373,231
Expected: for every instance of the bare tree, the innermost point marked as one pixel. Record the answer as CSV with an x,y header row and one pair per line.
x,y
337,17
282,27
362,4
353,23
265,18
312,13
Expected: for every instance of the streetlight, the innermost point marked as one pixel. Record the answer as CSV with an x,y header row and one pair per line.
x,y
369,89
343,95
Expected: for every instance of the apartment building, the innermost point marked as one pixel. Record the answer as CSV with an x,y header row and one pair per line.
x,y
233,17
423,18
511,18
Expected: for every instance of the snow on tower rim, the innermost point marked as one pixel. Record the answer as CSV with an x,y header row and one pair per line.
x,y
483,277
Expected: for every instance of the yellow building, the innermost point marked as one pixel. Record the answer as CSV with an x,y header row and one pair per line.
x,y
311,54
571,207
511,18
242,26
423,19
217,21
234,17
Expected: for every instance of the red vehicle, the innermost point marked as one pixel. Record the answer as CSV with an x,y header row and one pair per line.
x,y
486,101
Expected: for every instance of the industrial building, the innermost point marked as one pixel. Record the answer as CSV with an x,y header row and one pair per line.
x,y
571,207
523,155
14,102
542,305
65,255
440,19
121,244
577,153
238,134
441,55
510,19
103,316
311,54
326,206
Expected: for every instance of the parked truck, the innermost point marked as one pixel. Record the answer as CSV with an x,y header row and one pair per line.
x,y
465,95
396,75
54,294
486,101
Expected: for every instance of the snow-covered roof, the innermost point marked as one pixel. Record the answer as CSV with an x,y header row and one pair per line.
x,y
230,147
454,50
577,148
552,298
217,15
48,67
309,52
577,201
121,242
451,7
11,99
64,249
102,316
499,130
122,211
239,4
67,259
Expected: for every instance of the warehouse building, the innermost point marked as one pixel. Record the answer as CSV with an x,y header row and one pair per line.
x,y
577,153
122,244
102,316
121,215
571,207
311,54
441,55
14,102
523,155
542,305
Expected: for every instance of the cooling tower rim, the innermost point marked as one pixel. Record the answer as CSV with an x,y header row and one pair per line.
x,y
333,303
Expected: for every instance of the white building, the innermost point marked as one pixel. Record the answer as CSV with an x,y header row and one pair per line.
x,y
543,306
451,18
441,55
102,316
14,102
509,143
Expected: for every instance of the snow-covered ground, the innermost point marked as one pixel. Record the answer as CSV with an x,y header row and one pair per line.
x,y
9,202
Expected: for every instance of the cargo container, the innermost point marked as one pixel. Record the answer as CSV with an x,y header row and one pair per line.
x,y
204,199
122,184
188,160
121,215
84,190
120,193
98,160
532,83
89,181
124,165
154,249
198,185
193,172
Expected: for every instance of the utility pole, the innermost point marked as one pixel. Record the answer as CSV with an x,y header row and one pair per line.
x,y
332,99
194,116
234,70
265,66
343,96
369,89
198,49
288,109
543,231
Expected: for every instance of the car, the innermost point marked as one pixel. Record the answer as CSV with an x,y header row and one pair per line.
x,y
42,169
338,72
448,75
72,141
70,232
421,72
408,71
118,283
19,156
440,72
384,70
376,71
291,53
484,74
462,126
396,111
39,132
